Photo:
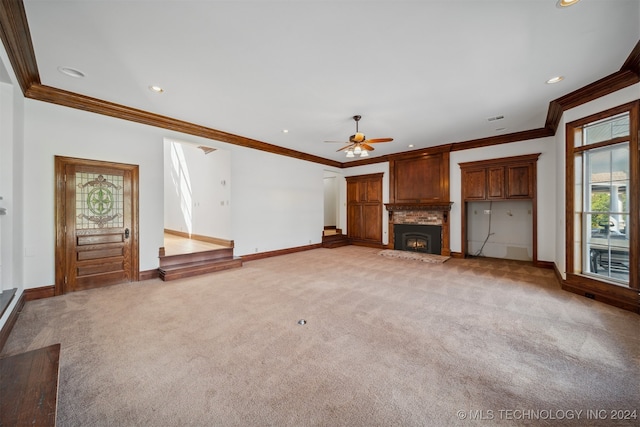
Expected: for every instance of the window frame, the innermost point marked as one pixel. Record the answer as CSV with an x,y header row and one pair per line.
x,y
590,284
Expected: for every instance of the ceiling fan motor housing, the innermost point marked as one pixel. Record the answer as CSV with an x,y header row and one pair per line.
x,y
358,137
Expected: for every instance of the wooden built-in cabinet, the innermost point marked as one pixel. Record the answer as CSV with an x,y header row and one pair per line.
x,y
499,179
364,209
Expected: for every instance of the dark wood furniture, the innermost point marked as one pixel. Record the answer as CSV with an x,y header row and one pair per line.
x,y
506,178
364,209
29,387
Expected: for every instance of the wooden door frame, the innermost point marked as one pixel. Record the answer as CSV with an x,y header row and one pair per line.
x,y
61,163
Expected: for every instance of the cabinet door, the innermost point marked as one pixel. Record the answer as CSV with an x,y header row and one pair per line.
x,y
355,224
474,184
495,182
520,181
372,222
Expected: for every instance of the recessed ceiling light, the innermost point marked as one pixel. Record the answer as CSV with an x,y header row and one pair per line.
x,y
71,72
285,130
555,79
566,3
410,145
156,89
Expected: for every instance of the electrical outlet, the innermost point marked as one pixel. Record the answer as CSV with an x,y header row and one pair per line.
x,y
487,211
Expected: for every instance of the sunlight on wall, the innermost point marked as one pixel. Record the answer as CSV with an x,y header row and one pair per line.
x,y
182,184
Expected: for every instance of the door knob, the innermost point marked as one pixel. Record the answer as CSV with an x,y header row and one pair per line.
x,y
126,233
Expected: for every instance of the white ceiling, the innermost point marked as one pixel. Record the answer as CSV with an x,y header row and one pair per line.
x,y
423,72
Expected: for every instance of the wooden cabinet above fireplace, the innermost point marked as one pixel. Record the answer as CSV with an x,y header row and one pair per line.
x,y
417,180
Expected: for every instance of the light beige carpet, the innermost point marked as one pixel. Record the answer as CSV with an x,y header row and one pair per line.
x,y
387,342
417,256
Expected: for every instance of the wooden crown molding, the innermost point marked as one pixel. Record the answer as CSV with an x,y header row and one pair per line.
x,y
94,105
14,31
16,37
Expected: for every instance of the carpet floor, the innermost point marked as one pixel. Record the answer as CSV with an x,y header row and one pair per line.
x,y
386,342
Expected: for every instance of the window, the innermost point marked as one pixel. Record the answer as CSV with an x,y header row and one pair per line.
x,y
602,200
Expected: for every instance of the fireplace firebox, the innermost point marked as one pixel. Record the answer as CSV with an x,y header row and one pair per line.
x,y
418,238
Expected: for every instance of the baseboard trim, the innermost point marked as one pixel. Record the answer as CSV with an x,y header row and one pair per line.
x,y
545,264
149,274
457,255
609,293
11,321
208,239
39,293
269,254
367,244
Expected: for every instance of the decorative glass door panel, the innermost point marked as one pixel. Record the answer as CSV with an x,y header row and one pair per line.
x,y
99,201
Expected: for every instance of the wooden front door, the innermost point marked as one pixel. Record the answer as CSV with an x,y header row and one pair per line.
x,y
96,224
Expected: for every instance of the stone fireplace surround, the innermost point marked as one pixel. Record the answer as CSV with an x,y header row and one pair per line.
x,y
421,214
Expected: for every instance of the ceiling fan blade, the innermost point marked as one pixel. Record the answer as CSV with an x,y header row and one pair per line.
x,y
341,142
345,147
376,140
366,146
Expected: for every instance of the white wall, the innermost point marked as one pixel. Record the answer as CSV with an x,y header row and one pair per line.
x,y
506,232
546,188
277,201
620,97
11,182
203,208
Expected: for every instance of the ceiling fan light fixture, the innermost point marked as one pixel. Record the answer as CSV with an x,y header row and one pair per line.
x,y
350,153
566,3
364,153
555,79
357,149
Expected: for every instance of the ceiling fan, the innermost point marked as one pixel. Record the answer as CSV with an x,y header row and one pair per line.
x,y
359,144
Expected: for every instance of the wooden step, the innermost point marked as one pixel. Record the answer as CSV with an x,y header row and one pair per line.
x,y
214,254
335,241
29,387
196,268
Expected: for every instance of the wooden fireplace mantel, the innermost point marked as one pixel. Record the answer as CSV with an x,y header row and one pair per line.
x,y
434,206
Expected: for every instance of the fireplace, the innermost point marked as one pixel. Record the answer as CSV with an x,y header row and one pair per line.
x,y
418,238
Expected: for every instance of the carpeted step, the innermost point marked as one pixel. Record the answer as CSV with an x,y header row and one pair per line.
x,y
189,269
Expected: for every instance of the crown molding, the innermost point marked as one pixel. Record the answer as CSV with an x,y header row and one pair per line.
x,y
94,105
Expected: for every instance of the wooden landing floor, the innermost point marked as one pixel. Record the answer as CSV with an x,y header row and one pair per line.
x,y
176,245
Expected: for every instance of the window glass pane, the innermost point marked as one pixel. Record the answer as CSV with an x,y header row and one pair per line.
x,y
606,250
604,130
